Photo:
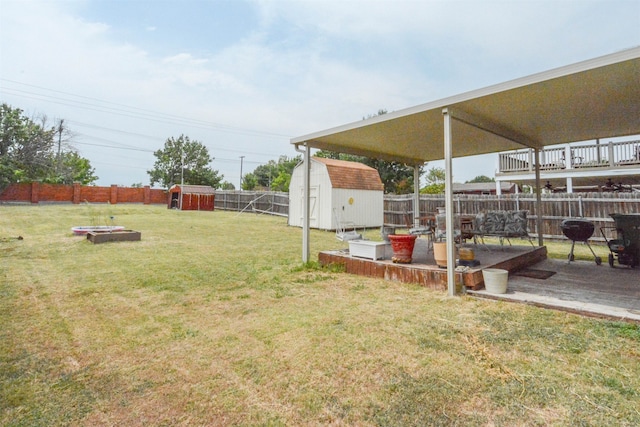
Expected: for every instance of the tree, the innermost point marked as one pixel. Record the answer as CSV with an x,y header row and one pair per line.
x,y
281,182
274,175
70,167
481,178
435,178
28,152
183,159
249,182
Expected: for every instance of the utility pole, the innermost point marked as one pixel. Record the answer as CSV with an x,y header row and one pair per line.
x,y
181,166
60,129
241,161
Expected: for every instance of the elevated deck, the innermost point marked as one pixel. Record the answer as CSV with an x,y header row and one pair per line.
x,y
424,271
612,166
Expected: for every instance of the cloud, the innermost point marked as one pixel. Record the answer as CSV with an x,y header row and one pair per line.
x,y
304,67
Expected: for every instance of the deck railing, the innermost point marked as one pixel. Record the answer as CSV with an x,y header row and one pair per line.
x,y
611,154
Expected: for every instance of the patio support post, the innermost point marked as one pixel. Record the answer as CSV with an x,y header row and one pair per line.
x,y
538,199
306,208
306,199
416,196
448,203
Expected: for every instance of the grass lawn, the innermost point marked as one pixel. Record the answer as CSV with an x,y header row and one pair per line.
x,y
212,320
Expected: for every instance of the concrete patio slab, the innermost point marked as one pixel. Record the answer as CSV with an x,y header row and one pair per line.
x,y
579,287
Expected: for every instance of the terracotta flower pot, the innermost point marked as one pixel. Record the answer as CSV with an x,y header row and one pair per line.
x,y
402,245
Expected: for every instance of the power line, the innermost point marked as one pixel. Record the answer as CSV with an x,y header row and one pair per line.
x,y
113,146
149,137
120,109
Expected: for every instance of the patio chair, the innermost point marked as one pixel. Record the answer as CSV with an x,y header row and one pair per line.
x,y
441,228
346,230
425,228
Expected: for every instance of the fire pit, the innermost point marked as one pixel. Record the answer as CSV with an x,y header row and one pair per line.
x,y
579,230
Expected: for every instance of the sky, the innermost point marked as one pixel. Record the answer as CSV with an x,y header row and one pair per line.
x,y
244,77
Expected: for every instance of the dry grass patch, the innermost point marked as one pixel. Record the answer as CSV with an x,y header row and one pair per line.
x,y
212,320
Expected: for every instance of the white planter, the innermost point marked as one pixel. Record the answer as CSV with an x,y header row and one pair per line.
x,y
495,280
367,249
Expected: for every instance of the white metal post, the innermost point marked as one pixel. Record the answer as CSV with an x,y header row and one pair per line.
x,y
306,208
448,203
538,199
416,196
181,175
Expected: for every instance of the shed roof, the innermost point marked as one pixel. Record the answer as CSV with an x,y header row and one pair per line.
x,y
194,189
597,98
351,175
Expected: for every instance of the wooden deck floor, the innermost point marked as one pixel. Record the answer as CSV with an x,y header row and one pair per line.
x,y
423,270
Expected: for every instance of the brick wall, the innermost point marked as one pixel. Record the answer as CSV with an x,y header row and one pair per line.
x,y
76,193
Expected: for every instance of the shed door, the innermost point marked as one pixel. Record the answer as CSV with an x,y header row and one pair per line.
x,y
313,206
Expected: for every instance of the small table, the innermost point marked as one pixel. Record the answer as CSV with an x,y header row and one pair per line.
x,y
368,249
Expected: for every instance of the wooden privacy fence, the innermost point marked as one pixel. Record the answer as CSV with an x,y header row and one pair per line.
x,y
595,207
270,202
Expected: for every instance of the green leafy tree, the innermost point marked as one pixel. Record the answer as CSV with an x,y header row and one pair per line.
x,y
481,178
70,167
249,182
276,175
226,185
29,152
435,178
25,147
182,153
265,173
281,182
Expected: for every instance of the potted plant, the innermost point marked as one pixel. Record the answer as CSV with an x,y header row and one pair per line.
x,y
402,246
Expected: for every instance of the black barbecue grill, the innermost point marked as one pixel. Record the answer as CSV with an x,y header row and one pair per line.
x,y
579,230
626,246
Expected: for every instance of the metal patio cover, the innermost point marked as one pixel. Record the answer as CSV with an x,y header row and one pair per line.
x,y
597,98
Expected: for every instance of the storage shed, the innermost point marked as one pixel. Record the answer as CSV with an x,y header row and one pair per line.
x,y
342,194
191,197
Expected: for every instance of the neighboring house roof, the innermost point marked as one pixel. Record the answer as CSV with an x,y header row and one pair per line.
x,y
351,175
483,187
194,189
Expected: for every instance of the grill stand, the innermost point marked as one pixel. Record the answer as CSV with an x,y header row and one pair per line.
x,y
597,259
